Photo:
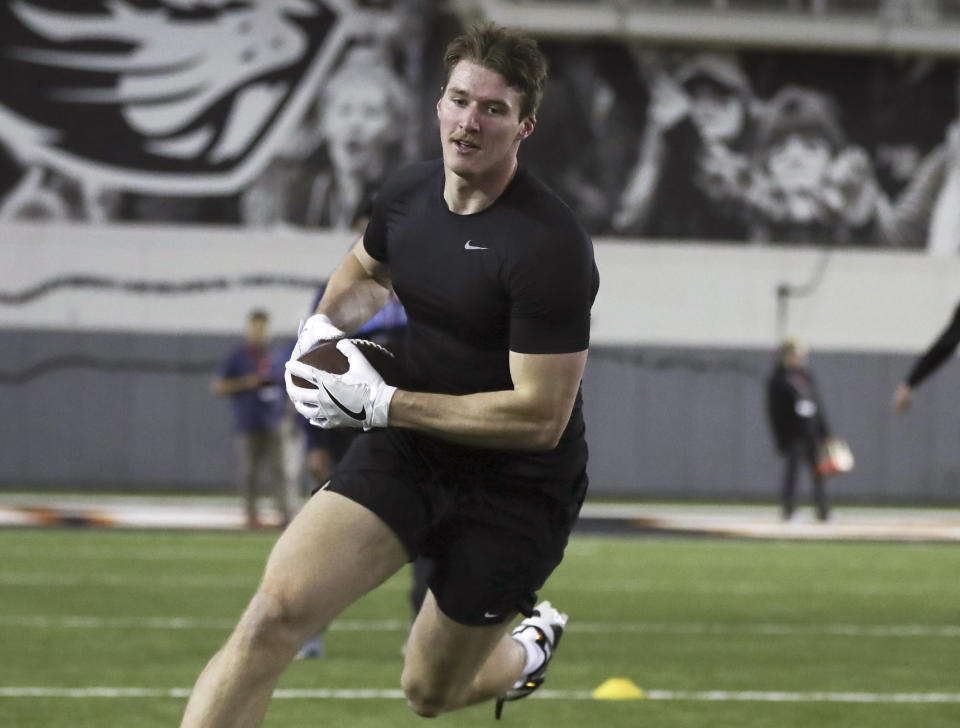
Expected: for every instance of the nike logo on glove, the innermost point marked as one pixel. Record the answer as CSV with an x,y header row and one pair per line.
x,y
467,246
359,416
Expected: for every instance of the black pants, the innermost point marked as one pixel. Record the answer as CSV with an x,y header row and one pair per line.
x,y
797,452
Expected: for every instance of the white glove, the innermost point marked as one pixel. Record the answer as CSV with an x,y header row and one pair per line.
x,y
357,398
315,329
318,410
380,394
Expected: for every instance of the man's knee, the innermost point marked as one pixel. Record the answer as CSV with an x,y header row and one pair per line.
x,y
422,702
427,699
271,624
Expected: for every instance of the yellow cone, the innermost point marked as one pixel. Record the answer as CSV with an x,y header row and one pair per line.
x,y
618,688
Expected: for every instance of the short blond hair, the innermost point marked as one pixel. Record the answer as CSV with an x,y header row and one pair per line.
x,y
787,347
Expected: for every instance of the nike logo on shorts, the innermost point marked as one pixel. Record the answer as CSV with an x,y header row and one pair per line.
x,y
490,615
467,246
359,416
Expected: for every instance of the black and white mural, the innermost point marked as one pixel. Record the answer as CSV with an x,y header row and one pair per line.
x,y
168,165
256,112
291,112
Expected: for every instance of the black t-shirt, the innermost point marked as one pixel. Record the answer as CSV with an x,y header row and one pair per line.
x,y
518,276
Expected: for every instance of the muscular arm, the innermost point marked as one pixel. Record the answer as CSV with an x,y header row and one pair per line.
x,y
531,416
938,353
358,288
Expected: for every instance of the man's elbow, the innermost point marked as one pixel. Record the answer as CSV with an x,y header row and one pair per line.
x,y
545,435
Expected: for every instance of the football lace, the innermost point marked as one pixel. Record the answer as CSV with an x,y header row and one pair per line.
x,y
375,345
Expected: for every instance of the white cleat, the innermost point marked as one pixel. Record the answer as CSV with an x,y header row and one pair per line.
x,y
547,624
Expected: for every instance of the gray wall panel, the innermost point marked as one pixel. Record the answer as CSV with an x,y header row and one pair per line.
x,y
662,422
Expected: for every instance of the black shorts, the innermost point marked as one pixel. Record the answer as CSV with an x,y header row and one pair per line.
x,y
494,524
335,441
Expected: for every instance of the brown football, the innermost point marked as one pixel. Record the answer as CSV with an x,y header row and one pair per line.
x,y
327,357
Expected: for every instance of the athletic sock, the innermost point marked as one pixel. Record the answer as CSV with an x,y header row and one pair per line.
x,y
535,655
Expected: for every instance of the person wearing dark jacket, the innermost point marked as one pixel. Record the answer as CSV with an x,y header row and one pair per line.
x,y
928,362
798,423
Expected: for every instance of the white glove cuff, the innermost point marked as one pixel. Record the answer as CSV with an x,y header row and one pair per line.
x,y
317,328
380,409
311,332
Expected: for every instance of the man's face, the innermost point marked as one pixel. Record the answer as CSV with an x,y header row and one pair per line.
x,y
800,161
795,358
258,332
356,124
718,113
480,125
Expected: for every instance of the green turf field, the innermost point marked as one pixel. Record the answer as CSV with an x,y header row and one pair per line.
x,y
717,633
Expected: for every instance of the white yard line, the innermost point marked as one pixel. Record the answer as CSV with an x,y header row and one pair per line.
x,y
627,586
399,625
797,697
59,579
746,588
180,623
392,694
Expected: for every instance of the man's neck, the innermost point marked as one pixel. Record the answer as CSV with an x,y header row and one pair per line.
x,y
467,196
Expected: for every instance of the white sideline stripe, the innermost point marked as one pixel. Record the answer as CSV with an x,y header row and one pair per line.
x,y
375,694
177,555
14,578
784,697
175,623
765,589
54,579
833,630
398,625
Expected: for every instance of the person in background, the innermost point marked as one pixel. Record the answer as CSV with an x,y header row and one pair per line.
x,y
926,214
812,186
594,107
943,238
252,377
798,423
333,164
939,352
695,154
808,183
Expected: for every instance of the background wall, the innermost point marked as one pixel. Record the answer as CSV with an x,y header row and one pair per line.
x,y
142,215
110,338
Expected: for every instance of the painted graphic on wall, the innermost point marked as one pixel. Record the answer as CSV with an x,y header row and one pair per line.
x,y
175,110
768,147
292,112
145,99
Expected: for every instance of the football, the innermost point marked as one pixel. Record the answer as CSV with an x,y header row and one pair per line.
x,y
328,358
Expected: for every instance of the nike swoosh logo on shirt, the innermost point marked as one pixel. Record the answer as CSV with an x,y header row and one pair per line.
x,y
467,246
359,416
